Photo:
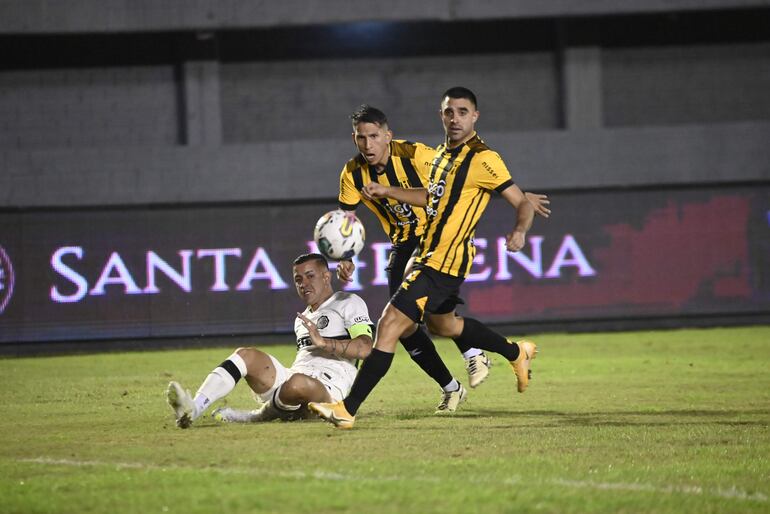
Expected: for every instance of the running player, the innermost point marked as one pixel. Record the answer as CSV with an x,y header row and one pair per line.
x,y
464,171
390,162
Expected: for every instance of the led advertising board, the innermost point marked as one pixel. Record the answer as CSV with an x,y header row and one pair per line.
x,y
208,270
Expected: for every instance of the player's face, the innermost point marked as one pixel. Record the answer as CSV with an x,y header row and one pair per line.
x,y
373,142
313,283
459,117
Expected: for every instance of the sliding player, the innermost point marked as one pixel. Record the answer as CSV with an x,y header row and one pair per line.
x,y
332,333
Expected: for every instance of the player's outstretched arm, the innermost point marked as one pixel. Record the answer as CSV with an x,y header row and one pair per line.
x,y
417,196
540,203
525,213
357,348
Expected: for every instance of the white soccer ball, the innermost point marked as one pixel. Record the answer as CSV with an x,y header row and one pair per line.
x,y
339,235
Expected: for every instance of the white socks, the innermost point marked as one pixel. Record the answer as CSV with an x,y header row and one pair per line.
x,y
219,383
283,406
454,385
472,353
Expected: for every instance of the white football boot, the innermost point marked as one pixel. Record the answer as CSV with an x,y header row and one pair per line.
x,y
229,415
450,400
478,369
182,403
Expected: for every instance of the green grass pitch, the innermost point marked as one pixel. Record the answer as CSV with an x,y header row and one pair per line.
x,y
665,422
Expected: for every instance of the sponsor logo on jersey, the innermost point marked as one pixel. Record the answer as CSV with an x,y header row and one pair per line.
x,y
489,169
436,191
400,210
6,279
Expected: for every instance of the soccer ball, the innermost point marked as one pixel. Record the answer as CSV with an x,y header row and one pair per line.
x,y
339,235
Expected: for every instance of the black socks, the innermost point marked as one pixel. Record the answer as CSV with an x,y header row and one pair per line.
x,y
479,335
375,367
423,352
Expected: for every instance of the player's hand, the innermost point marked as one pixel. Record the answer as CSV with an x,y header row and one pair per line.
x,y
345,271
317,339
515,241
540,203
374,191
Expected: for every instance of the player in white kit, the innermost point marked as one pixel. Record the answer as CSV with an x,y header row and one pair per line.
x,y
332,333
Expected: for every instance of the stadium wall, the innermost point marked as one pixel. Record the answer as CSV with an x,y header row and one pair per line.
x,y
63,16
100,136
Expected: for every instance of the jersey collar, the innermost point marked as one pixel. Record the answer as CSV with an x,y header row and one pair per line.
x,y
327,301
456,150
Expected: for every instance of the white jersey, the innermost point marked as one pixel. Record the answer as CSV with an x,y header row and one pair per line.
x,y
333,318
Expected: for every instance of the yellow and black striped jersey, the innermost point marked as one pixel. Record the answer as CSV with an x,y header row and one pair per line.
x,y
407,167
460,184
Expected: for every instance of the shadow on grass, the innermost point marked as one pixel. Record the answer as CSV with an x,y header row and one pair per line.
x,y
553,418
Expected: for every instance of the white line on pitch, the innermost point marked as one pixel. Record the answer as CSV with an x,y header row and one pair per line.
x,y
731,493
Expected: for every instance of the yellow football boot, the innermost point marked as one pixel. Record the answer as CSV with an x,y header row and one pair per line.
x,y
334,413
522,365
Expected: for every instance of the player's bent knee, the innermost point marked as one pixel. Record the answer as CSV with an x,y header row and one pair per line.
x,y
410,330
293,388
444,326
245,351
433,328
391,327
301,388
256,361
247,354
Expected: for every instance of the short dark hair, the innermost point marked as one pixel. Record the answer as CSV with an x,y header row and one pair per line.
x,y
305,257
368,114
461,92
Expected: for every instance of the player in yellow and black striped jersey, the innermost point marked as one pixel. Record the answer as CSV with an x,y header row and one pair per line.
x,y
464,172
399,220
460,185
400,163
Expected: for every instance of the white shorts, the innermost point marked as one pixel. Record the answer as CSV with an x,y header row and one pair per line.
x,y
336,377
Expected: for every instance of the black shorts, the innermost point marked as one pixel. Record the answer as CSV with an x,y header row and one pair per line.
x,y
400,253
426,290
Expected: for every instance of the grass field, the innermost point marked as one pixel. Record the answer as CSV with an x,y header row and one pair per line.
x,y
669,421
